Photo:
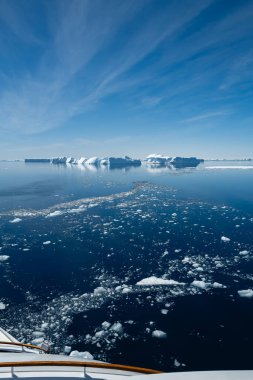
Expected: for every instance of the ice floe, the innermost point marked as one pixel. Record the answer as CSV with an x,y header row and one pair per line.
x,y
248,293
153,281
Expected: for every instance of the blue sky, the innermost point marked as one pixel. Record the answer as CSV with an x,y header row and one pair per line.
x,y
100,77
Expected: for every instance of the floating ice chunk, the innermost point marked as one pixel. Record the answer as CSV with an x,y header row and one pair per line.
x,y
225,239
126,290
2,306
46,242
82,355
54,213
99,291
38,334
4,258
218,285
246,293
105,325
117,327
67,350
100,334
159,334
199,284
243,253
38,340
15,220
151,281
164,311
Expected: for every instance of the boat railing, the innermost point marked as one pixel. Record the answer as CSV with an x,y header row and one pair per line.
x,y
67,363
24,345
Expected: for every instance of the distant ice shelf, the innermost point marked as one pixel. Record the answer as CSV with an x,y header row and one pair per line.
x,y
110,161
97,161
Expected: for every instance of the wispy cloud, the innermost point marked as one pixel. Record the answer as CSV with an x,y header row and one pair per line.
x,y
205,116
98,48
70,78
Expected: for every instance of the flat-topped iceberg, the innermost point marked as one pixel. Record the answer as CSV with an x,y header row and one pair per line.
x,y
185,161
58,160
120,161
178,162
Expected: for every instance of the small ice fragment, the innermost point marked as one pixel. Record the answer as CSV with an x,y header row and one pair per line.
x,y
243,253
199,284
225,239
46,242
99,291
248,293
67,350
106,325
218,285
2,306
4,258
117,327
159,334
82,355
16,220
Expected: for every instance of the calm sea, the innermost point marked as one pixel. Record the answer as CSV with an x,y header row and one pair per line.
x,y
146,266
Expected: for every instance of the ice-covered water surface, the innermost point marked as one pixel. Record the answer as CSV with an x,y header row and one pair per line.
x,y
142,277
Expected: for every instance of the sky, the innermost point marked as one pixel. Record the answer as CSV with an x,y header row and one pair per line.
x,y
126,77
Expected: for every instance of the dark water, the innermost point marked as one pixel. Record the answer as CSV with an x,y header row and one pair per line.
x,y
75,263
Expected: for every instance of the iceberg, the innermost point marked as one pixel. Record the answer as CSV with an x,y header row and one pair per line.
x,y
157,159
93,161
70,160
81,160
185,161
34,160
177,162
58,160
120,161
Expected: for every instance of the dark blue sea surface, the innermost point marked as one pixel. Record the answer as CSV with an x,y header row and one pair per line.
x,y
149,266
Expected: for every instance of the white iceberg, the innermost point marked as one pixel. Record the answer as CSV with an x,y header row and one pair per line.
x,y
81,160
157,159
93,161
178,162
70,160
120,161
